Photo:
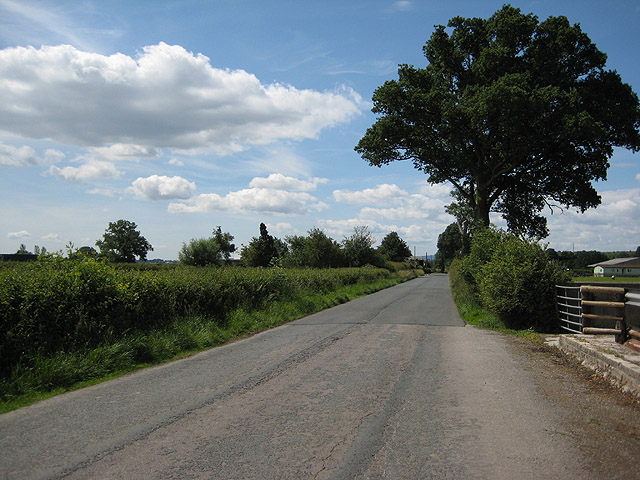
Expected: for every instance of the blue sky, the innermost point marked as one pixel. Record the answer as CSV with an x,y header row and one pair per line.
x,y
184,115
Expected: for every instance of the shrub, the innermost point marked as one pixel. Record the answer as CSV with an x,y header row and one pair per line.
x,y
515,279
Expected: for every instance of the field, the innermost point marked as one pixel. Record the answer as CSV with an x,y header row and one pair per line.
x,y
65,323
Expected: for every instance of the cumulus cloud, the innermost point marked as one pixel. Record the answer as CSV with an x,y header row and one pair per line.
x,y
19,235
379,195
158,187
397,204
166,97
278,181
611,226
251,200
92,170
26,156
275,194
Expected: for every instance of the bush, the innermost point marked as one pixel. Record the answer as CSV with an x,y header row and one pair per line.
x,y
515,279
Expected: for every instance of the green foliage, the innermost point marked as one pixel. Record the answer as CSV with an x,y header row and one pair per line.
x,y
358,249
394,248
514,279
515,113
215,250
449,244
56,305
262,251
316,250
23,250
121,242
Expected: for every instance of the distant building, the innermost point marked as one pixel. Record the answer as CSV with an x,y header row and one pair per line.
x,y
622,267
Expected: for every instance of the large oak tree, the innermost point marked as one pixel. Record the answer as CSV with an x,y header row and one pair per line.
x,y
515,113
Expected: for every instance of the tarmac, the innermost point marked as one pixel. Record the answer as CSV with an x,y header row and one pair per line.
x,y
617,363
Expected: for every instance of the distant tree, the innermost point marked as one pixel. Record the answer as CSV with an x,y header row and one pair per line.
x,y
358,249
316,250
321,251
450,244
121,242
638,252
295,256
83,252
23,250
394,248
215,250
261,251
465,219
516,114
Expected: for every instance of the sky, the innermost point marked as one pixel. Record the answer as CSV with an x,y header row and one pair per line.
x,y
182,116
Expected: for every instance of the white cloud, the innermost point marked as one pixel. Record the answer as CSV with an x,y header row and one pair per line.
x,y
92,170
380,195
166,97
279,181
438,190
26,156
611,226
276,194
251,200
122,151
398,203
282,227
176,162
19,235
638,175
51,237
158,187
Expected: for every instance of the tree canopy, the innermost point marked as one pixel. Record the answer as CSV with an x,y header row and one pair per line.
x,y
215,250
123,243
515,113
262,250
394,248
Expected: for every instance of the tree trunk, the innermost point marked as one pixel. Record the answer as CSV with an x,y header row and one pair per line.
x,y
482,207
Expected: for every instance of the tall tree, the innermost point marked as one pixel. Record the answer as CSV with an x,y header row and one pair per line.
x,y
515,113
394,248
358,248
123,243
450,243
261,251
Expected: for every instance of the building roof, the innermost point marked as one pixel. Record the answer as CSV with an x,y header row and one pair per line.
x,y
618,262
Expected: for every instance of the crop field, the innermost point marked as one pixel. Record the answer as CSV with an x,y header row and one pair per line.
x,y
64,322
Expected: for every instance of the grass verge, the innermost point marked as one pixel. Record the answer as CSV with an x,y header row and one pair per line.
x,y
65,371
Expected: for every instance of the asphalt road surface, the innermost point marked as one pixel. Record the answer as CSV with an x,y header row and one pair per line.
x,y
392,385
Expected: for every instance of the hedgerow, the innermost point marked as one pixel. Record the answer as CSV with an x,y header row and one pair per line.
x,y
58,305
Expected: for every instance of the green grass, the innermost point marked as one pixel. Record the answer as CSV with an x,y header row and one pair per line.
x,y
606,279
47,376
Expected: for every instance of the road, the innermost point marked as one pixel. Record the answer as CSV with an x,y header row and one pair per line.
x,y
392,385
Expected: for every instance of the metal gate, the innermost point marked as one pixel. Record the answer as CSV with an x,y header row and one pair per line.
x,y
569,306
